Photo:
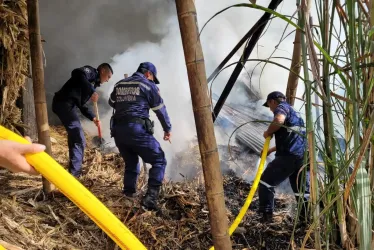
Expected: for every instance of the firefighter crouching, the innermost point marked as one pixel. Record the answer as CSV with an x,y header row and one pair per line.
x,y
131,99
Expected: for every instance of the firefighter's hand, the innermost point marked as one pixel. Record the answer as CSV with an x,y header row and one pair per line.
x,y
12,156
167,136
96,121
267,134
95,97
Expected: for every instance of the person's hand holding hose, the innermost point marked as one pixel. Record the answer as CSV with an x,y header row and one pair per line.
x,y
12,155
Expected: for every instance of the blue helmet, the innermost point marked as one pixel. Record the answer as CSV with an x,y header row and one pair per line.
x,y
152,68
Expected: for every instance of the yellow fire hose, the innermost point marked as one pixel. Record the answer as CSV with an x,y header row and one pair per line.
x,y
78,194
256,181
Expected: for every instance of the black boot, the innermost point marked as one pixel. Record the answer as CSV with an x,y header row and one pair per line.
x,y
267,217
150,199
129,196
128,193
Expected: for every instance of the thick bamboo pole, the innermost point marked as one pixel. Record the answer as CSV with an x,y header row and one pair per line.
x,y
293,77
38,81
204,123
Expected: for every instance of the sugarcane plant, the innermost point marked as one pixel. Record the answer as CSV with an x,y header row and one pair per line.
x,y
344,71
344,113
337,57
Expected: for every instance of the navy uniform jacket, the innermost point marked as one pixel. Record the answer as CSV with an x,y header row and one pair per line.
x,y
134,96
78,89
287,141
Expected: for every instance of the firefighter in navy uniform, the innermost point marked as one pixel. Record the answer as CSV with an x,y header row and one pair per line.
x,y
75,93
290,144
131,99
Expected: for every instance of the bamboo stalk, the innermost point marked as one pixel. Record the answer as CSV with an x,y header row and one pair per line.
x,y
28,108
363,208
371,97
362,182
303,15
326,108
204,123
293,77
370,108
329,126
38,82
351,224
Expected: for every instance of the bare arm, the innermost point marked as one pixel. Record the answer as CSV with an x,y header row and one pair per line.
x,y
271,150
275,125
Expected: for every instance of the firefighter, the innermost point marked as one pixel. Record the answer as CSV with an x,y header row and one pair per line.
x,y
131,99
290,143
75,93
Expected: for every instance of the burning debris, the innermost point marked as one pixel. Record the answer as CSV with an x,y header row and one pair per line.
x,y
182,222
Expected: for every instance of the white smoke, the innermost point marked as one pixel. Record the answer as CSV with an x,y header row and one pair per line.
x,y
217,39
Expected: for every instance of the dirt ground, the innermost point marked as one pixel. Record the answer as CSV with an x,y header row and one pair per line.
x,y
182,223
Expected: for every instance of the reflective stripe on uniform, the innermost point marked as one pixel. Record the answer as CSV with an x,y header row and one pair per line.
x,y
266,184
158,107
130,83
296,129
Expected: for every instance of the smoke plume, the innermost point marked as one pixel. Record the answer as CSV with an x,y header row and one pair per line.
x,y
126,33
